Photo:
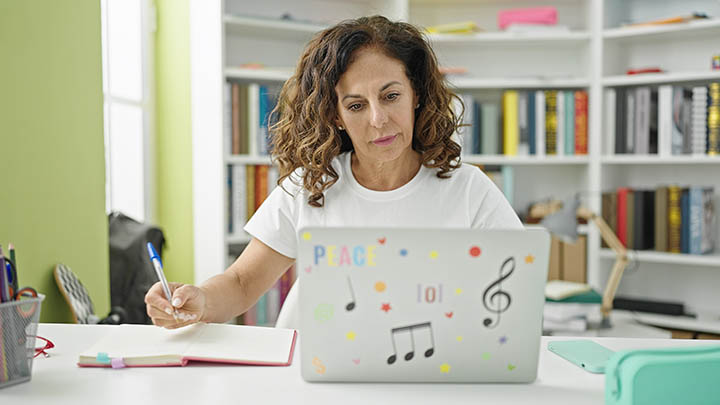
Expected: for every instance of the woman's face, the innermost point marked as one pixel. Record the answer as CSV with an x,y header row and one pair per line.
x,y
376,105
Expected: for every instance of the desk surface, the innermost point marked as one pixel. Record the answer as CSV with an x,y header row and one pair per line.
x,y
57,380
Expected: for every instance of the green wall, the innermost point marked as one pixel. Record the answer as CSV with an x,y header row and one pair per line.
x,y
52,166
174,137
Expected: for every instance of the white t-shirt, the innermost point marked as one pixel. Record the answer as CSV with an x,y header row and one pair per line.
x,y
468,199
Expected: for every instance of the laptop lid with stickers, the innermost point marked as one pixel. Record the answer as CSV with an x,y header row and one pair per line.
x,y
421,305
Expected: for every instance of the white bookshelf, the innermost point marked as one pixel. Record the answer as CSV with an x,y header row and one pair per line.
x,y
661,78
649,256
667,31
510,38
664,160
470,83
525,160
592,55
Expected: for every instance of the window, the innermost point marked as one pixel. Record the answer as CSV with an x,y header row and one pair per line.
x,y
127,26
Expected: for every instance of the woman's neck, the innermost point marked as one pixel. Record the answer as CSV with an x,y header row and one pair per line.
x,y
385,176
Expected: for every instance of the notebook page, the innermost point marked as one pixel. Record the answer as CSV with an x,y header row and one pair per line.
x,y
242,343
144,341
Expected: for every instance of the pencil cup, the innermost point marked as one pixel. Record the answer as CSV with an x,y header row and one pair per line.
x,y
18,328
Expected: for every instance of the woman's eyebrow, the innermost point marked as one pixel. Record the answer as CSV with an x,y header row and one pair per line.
x,y
381,89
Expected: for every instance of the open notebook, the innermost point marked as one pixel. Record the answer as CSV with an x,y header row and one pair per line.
x,y
148,346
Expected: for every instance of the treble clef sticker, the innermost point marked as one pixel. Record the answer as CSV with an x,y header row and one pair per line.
x,y
495,299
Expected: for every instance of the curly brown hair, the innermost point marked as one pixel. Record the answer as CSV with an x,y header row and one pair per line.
x,y
304,135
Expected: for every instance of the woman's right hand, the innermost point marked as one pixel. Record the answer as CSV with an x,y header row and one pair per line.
x,y
187,306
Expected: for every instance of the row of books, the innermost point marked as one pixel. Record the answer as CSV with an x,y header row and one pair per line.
x,y
247,109
668,219
265,311
664,120
543,122
247,188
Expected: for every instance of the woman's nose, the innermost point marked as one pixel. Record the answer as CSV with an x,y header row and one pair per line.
x,y
379,116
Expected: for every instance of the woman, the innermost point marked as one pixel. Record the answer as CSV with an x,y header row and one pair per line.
x,y
363,139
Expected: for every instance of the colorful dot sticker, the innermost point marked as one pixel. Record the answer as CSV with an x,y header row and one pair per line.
x,y
529,259
475,251
445,368
380,286
356,361
503,340
458,291
486,356
403,252
382,240
319,366
433,254
324,312
385,307
459,338
511,367
350,335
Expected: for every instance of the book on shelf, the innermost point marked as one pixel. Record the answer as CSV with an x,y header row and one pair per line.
x,y
561,289
714,119
249,114
516,125
666,219
550,122
510,123
663,120
247,188
572,313
266,310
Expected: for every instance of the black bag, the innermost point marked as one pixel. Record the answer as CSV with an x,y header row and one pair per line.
x,y
131,272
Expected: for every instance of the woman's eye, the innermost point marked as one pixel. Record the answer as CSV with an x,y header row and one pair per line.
x,y
354,107
392,96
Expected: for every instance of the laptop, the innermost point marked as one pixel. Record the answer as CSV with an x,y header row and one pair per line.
x,y
421,305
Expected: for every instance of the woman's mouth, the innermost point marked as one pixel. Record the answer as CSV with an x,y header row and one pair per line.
x,y
387,140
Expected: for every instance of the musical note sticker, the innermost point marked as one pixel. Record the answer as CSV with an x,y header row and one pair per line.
x,y
351,305
411,329
495,299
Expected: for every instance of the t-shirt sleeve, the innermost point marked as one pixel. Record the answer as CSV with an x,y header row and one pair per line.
x,y
275,221
490,208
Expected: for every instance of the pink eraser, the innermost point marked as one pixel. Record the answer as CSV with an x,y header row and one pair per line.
x,y
531,15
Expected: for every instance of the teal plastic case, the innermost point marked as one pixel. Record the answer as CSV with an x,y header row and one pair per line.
x,y
583,353
664,376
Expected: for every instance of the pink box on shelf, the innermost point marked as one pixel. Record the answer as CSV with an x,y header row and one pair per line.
x,y
530,15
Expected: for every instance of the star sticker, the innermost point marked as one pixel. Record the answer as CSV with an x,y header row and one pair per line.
x,y
503,340
385,307
434,254
444,368
529,259
350,335
307,236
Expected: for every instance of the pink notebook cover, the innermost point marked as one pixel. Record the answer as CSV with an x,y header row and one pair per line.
x,y
188,359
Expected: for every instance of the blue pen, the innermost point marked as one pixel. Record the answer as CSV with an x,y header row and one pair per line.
x,y
157,264
4,282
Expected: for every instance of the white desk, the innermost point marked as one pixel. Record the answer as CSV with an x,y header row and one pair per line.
x,y
57,380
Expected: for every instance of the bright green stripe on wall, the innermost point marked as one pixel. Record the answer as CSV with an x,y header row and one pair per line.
x,y
174,137
52,167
